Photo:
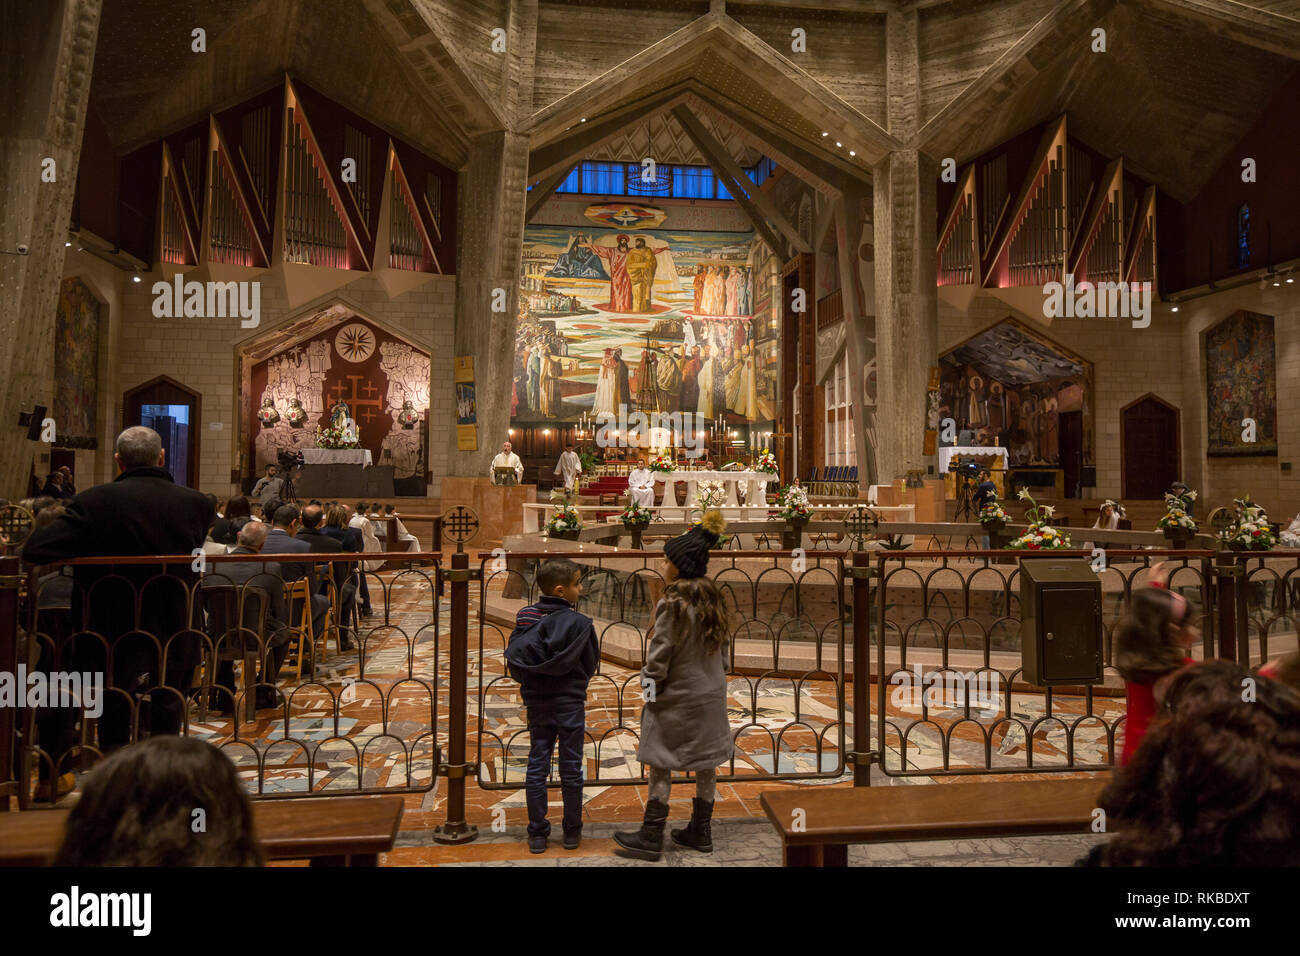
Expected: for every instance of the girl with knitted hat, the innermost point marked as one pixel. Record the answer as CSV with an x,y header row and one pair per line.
x,y
684,683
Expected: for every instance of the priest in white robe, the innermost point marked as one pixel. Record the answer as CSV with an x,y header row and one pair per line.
x,y
641,485
569,467
506,458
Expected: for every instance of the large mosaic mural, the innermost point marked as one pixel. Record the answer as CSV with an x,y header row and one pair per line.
x,y
76,365
650,319
1241,383
1007,387
354,369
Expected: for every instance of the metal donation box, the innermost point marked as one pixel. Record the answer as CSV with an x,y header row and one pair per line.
x,y
1060,621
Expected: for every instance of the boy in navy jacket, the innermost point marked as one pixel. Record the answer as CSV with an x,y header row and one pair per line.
x,y
552,653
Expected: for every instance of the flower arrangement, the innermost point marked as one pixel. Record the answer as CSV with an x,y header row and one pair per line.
x,y
634,516
794,504
1176,517
336,436
565,519
1250,530
662,462
710,494
1041,536
993,514
765,463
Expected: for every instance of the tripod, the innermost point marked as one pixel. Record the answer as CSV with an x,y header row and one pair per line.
x,y
964,504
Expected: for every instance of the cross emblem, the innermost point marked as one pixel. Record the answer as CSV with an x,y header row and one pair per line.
x,y
460,524
859,523
355,402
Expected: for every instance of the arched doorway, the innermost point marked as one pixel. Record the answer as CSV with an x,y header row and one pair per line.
x,y
174,412
1150,461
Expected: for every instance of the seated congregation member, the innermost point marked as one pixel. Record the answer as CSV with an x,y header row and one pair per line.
x,y
141,512
370,543
54,487
338,526
69,489
313,532
684,722
282,539
237,513
1152,643
137,809
552,653
55,726
263,580
1215,780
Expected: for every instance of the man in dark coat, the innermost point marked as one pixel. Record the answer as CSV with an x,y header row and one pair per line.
x,y
141,512
319,542
282,539
254,576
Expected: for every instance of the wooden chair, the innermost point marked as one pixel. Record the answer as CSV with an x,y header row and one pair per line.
x,y
237,625
302,641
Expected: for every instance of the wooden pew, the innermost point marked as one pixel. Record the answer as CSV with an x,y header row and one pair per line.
x,y
329,831
831,819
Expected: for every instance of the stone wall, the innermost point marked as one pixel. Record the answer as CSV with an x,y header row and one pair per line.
x,y
201,354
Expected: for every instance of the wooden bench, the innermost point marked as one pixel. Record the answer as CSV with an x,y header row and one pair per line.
x,y
329,831
831,819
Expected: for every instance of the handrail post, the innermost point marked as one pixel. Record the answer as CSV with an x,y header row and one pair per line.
x,y
1227,575
10,581
861,755
455,829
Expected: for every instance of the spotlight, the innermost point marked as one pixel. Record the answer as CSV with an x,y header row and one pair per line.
x,y
1175,309
839,144
583,120
1290,279
135,278
824,133
852,153
66,245
1276,283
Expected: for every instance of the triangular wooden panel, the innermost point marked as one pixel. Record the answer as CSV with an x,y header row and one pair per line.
x,y
176,242
409,248
1099,255
229,235
1030,248
317,230
958,250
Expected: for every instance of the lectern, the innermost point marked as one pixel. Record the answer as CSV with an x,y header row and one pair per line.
x,y
505,475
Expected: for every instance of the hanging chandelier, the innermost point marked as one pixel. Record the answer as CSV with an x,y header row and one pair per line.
x,y
650,179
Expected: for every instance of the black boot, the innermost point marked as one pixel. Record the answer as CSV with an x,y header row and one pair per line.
x,y
698,834
648,842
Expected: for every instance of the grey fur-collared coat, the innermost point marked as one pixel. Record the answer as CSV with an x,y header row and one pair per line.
x,y
685,727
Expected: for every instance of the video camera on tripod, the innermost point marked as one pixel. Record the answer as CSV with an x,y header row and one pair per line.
x,y
965,474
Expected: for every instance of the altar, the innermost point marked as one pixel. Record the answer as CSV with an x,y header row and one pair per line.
x,y
751,484
343,473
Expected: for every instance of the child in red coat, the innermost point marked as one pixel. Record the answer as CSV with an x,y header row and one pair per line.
x,y
1151,645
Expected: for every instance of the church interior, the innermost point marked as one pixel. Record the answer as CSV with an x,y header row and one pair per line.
x,y
813,263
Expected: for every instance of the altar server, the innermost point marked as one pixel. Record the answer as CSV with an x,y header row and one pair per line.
x,y
569,467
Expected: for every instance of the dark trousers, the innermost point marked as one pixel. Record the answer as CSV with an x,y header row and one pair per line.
x,y
547,724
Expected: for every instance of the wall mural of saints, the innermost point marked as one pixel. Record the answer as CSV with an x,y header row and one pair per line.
x,y
1241,381
357,371
653,319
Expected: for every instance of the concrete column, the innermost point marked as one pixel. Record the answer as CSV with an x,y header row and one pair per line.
x,y
490,221
907,308
907,303
46,54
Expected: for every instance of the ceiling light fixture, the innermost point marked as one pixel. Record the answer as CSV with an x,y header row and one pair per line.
x,y
135,278
838,144
824,133
852,153
1175,309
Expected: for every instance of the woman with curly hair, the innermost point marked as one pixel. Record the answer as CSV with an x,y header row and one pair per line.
x,y
684,682
139,809
1215,782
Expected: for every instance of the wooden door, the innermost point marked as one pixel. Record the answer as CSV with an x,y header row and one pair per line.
x,y
164,397
1149,439
1070,435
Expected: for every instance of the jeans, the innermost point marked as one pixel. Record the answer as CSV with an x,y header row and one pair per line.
x,y
565,723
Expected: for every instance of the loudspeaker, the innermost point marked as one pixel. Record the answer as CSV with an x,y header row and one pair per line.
x,y
33,420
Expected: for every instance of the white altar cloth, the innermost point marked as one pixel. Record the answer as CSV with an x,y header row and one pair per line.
x,y
754,484
337,456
